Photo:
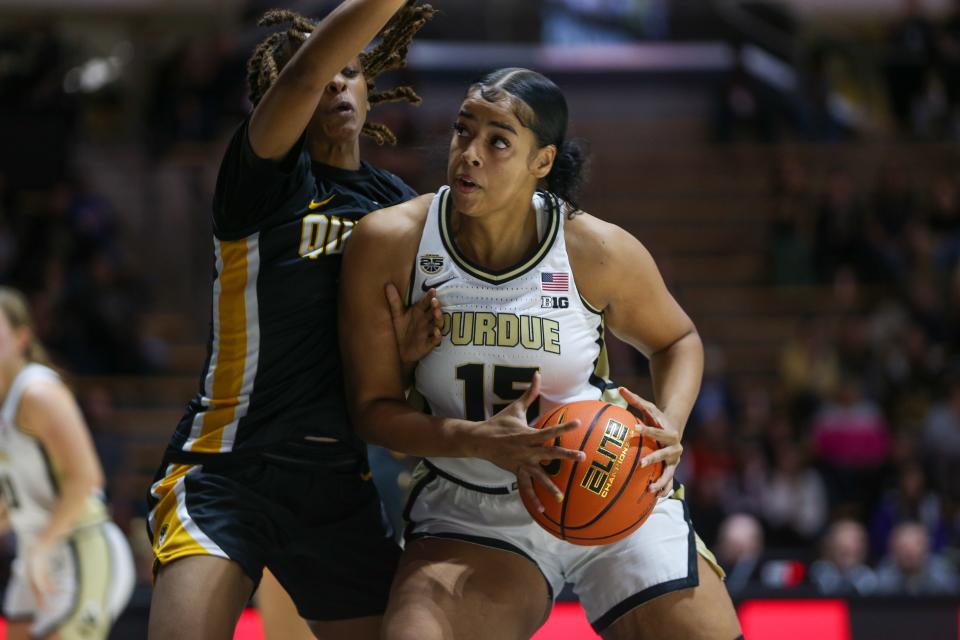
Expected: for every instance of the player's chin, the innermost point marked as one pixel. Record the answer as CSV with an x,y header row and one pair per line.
x,y
469,204
344,132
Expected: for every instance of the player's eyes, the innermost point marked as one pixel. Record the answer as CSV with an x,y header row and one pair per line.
x,y
350,72
459,129
500,142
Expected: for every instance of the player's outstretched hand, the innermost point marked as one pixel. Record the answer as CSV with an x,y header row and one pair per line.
x,y
509,442
660,428
417,328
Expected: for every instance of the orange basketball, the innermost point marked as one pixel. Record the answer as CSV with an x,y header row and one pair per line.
x,y
605,496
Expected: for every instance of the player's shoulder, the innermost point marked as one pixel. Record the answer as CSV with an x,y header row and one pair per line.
x,y
393,178
396,221
397,225
42,396
588,234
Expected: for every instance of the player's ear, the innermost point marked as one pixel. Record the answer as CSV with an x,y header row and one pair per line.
x,y
543,161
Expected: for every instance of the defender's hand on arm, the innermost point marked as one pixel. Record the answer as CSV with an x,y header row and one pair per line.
x,y
417,327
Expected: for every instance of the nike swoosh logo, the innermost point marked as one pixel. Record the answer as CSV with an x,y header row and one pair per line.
x,y
436,285
316,205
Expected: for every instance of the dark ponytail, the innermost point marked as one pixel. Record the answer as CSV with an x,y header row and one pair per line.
x,y
541,107
569,173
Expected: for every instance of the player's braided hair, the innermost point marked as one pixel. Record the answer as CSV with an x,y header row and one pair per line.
x,y
390,53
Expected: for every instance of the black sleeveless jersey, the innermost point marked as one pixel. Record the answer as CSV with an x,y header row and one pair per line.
x,y
273,373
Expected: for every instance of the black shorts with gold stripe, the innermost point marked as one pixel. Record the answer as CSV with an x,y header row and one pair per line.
x,y
318,527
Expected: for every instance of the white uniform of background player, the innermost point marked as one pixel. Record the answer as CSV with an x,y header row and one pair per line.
x,y
92,570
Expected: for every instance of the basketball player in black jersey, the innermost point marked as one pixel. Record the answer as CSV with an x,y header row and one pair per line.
x,y
264,469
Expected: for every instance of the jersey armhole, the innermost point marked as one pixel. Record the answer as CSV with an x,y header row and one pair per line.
x,y
586,303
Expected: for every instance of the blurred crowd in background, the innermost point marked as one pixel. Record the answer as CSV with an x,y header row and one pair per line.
x,y
840,477
851,460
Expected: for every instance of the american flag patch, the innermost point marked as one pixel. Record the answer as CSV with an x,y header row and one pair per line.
x,y
554,281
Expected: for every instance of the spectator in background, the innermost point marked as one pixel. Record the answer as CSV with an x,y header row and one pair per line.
x,y
910,568
851,439
949,45
839,239
743,107
913,367
942,218
103,335
855,350
794,504
739,548
909,502
809,366
894,203
952,310
842,569
711,448
197,88
911,51
716,399
709,499
791,230
941,439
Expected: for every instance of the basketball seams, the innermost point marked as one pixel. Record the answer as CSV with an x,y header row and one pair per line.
x,y
562,410
573,471
613,536
623,487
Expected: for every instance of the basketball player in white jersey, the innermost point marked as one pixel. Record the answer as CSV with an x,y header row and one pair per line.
x,y
73,573
527,283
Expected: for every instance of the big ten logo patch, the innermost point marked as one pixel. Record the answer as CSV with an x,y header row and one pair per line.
x,y
554,302
612,451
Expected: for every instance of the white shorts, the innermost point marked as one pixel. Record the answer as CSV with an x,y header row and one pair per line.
x,y
93,577
658,558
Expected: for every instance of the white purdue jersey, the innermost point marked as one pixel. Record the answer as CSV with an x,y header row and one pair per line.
x,y
500,327
29,481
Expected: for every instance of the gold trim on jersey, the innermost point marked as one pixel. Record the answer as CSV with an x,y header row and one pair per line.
x,y
679,493
234,353
609,392
175,534
499,277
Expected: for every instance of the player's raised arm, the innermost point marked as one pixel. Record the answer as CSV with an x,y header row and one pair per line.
x,y
284,112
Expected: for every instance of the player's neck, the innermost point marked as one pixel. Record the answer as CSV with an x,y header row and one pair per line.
x,y
343,155
9,371
499,239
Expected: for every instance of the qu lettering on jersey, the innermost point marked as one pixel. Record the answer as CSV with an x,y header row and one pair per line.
x,y
324,235
484,329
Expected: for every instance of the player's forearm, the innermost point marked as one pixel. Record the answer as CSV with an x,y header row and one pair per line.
x,y
75,492
395,425
339,37
677,372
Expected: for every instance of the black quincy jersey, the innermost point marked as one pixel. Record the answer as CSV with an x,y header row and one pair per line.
x,y
273,362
